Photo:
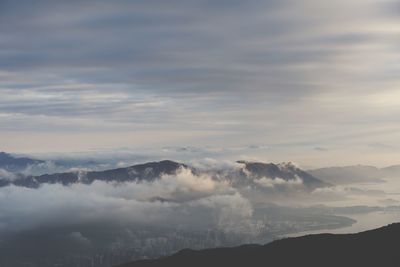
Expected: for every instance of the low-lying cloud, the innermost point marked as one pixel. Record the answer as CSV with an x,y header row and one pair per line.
x,y
213,196
271,183
192,201
6,175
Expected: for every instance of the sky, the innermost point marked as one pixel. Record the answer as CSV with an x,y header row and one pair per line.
x,y
311,81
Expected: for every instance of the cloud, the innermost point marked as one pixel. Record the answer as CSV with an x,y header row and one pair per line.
x,y
180,187
207,164
193,202
47,166
357,195
278,182
210,72
320,149
381,146
79,238
6,175
234,212
341,190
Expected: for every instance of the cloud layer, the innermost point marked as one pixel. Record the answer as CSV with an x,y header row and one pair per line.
x,y
320,74
184,199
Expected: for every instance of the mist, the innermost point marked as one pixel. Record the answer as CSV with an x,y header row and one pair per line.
x,y
206,202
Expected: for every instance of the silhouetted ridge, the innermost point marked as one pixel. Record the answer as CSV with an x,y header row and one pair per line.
x,y
373,248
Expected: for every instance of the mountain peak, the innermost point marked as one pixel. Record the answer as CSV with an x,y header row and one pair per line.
x,y
286,171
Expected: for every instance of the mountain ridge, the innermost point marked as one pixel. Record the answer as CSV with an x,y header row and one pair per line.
x,y
147,171
286,171
355,173
12,163
252,173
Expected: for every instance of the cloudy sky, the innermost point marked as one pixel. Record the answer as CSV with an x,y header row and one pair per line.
x,y
313,81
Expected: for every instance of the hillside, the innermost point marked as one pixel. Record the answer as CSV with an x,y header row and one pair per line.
x,y
373,248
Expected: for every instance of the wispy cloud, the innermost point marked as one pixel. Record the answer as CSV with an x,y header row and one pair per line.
x,y
253,72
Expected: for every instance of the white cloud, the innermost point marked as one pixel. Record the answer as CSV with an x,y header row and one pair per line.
x,y
271,71
271,183
192,202
6,175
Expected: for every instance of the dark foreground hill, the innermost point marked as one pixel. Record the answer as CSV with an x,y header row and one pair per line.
x,y
373,248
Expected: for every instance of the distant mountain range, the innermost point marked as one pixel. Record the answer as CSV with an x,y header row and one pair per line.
x,y
148,171
355,174
252,173
256,171
371,248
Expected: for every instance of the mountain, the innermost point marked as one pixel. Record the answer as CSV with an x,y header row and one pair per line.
x,y
392,171
373,248
16,164
147,171
257,174
355,174
284,171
